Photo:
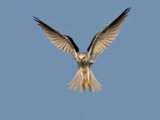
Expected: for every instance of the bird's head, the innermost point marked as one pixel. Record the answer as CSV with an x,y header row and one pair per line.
x,y
81,57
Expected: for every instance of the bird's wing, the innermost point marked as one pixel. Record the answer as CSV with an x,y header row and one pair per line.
x,y
104,38
61,41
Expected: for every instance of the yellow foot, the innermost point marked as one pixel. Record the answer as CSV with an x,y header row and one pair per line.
x,y
89,83
82,82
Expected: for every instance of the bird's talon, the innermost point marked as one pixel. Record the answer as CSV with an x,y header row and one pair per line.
x,y
89,82
82,83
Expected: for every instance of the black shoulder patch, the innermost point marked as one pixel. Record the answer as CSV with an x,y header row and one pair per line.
x,y
73,43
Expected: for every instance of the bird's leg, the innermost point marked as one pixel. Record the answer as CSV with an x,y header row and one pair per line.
x,y
82,77
88,76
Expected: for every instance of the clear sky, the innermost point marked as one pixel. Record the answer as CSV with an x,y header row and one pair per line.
x,y
34,73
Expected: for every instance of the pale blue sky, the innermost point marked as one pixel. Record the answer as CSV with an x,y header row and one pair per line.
x,y
34,73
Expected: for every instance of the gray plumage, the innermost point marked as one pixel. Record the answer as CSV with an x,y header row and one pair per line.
x,y
84,78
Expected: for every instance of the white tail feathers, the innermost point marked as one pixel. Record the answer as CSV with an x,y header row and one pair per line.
x,y
76,83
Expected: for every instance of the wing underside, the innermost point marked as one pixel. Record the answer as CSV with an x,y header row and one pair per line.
x,y
104,38
63,42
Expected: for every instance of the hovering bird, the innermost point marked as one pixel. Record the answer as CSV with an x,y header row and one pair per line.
x,y
84,78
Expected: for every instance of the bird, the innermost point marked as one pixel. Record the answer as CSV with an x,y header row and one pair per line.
x,y
84,79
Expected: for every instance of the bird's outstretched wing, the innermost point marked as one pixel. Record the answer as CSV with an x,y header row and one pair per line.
x,y
63,42
104,38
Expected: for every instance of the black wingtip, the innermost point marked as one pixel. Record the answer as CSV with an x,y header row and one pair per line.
x,y
127,10
36,19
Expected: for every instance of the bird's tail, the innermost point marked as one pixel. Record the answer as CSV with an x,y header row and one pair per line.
x,y
76,83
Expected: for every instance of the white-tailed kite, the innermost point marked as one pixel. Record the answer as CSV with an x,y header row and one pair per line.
x,y
84,78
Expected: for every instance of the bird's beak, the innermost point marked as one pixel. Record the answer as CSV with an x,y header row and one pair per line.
x,y
82,59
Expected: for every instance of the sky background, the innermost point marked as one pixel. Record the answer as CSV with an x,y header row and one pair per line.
x,y
34,73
